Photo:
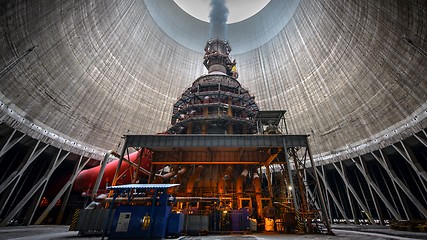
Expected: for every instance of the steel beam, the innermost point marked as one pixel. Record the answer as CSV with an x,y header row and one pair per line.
x,y
291,181
33,191
320,192
213,140
46,177
422,174
68,184
421,140
331,193
372,185
374,198
354,193
11,142
327,195
384,163
363,194
23,167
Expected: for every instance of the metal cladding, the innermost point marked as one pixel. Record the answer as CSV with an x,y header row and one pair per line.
x,y
216,103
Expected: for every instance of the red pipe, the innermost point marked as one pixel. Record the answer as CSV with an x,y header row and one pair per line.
x,y
86,178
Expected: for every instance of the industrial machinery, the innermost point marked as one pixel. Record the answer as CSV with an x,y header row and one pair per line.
x,y
237,171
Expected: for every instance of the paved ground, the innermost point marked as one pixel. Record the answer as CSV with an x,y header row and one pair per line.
x,y
352,232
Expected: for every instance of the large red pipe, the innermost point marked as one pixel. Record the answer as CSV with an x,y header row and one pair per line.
x,y
86,179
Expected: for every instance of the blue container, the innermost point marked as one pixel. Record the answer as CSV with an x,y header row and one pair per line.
x,y
128,222
245,219
239,219
175,224
235,216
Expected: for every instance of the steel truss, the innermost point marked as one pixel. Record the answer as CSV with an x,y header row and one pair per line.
x,y
386,184
28,166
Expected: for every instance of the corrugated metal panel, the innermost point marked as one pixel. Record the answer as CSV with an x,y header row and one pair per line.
x,y
191,141
142,186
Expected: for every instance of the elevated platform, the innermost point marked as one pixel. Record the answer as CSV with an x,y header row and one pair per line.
x,y
215,149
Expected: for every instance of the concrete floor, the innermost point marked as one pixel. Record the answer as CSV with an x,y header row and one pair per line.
x,y
355,232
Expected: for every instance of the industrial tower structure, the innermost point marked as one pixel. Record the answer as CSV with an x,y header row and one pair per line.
x,y
229,156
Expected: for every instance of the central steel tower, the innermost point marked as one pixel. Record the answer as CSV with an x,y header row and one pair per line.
x,y
216,103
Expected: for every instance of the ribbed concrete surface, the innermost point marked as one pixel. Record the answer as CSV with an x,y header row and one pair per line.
x,y
346,71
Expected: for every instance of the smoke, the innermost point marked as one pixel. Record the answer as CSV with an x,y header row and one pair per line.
x,y
218,19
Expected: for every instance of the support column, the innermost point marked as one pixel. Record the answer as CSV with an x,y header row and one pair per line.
x,y
58,160
16,175
40,184
230,114
350,202
372,185
100,174
364,196
119,164
405,153
326,194
354,193
415,164
77,169
384,162
68,185
319,189
11,141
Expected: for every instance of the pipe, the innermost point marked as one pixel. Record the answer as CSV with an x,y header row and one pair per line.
x,y
257,185
239,185
240,180
222,180
176,179
126,199
196,199
87,178
193,178
165,177
132,163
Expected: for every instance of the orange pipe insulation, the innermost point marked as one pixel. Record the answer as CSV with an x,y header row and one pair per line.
x,y
222,180
257,186
193,178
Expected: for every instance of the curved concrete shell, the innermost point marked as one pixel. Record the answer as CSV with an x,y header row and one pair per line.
x,y
77,75
348,73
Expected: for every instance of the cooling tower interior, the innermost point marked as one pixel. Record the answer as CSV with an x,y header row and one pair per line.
x,y
76,76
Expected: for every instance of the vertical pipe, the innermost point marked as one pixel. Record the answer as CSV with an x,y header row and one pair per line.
x,y
223,179
100,174
239,185
268,175
257,187
193,179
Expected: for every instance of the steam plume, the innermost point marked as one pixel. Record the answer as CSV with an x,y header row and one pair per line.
x,y
218,19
